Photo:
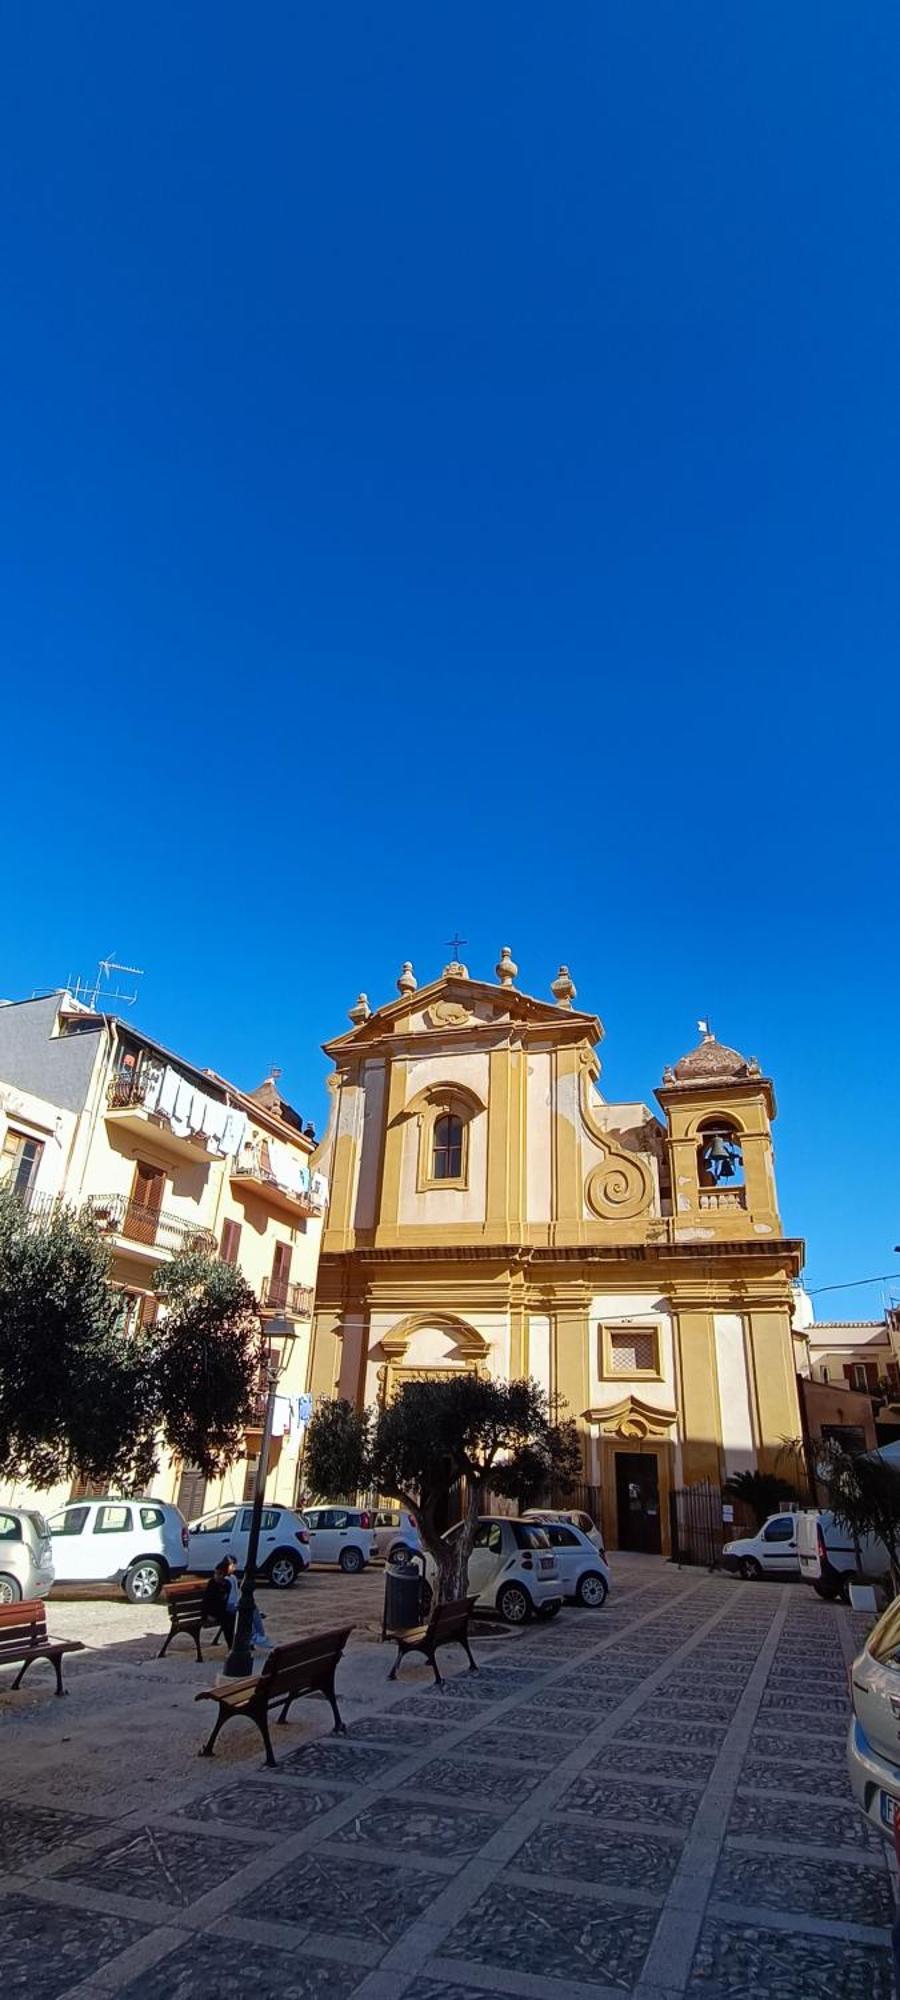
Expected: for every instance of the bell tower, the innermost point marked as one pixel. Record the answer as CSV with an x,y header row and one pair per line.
x,y
719,1110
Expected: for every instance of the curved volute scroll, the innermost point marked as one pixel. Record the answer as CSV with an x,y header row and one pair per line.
x,y
621,1186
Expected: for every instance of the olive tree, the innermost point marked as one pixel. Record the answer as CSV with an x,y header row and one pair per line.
x,y
498,1436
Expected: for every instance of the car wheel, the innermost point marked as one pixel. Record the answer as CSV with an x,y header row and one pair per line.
x,y
281,1570
351,1561
514,1604
592,1590
545,1611
401,1552
825,1590
751,1570
143,1582
10,1590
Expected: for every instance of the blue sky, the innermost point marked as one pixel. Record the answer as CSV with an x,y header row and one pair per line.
x,y
449,479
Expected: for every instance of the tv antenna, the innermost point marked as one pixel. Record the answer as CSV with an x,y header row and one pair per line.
x,y
88,992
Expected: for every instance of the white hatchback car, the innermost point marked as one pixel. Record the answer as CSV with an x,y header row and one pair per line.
x,y
873,1746
585,1574
342,1535
284,1542
26,1555
513,1569
396,1532
140,1544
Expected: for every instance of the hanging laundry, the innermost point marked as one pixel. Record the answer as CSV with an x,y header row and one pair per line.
x,y
319,1190
168,1091
181,1115
234,1131
214,1118
151,1080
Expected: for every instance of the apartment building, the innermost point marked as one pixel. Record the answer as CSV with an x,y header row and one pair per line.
x,y
165,1156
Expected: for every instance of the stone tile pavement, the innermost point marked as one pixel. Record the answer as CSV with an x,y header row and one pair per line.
x,y
649,1800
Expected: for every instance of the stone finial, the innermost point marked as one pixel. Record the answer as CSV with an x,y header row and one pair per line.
x,y
506,967
562,988
456,970
407,981
360,1012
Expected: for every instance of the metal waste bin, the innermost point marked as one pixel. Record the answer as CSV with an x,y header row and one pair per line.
x,y
404,1586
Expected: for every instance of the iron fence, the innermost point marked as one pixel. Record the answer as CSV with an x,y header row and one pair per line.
x,y
698,1529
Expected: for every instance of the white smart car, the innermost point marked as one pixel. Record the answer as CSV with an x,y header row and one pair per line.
x,y
513,1569
585,1573
284,1542
140,1544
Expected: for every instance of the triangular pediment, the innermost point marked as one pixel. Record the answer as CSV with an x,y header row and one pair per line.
x,y
455,1004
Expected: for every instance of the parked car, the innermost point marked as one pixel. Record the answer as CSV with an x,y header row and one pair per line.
x,y
342,1535
284,1542
873,1746
140,1543
26,1555
396,1532
830,1559
576,1517
512,1569
771,1552
585,1574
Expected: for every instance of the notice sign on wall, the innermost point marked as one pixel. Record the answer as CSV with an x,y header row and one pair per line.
x,y
727,1514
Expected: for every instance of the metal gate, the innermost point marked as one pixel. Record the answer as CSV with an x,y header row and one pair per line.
x,y
698,1530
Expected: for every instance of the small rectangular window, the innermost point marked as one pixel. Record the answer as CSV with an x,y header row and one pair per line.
x,y
10,1528
631,1350
152,1517
113,1521
231,1242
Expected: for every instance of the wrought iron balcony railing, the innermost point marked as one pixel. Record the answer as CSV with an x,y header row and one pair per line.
x,y
117,1215
279,1295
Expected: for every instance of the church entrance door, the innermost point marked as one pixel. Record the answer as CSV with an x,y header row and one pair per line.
x,y
637,1502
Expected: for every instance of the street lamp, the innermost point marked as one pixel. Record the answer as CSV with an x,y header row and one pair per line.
x,y
239,1664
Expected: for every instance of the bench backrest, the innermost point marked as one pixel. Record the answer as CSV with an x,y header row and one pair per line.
x,y
304,1662
22,1626
449,1618
185,1599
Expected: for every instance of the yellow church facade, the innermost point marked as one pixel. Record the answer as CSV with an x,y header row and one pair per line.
x,y
490,1211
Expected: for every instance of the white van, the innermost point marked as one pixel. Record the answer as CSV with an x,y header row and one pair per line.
x,y
771,1552
831,1560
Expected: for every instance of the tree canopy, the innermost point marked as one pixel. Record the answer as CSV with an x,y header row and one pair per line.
x,y
81,1394
864,1496
497,1436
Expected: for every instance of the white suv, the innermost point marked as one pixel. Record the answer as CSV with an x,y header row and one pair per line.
x,y
284,1543
512,1569
140,1544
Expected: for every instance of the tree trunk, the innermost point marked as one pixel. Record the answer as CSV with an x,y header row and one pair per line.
x,y
455,1566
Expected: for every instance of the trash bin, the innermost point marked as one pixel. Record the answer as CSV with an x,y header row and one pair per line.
x,y
403,1587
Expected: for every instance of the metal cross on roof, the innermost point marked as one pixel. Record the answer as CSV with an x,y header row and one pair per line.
x,y
455,945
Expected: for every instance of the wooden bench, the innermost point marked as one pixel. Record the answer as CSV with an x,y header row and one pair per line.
x,y
306,1666
23,1636
447,1626
186,1613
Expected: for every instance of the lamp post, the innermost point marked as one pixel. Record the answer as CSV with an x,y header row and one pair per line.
x,y
239,1664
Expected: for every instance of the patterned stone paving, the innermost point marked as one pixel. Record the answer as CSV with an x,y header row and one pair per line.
x,y
649,1801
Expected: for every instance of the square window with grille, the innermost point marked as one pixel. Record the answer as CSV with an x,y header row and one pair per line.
x,y
632,1350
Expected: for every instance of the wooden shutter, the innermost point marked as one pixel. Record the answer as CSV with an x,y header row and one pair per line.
x,y
145,1203
281,1274
231,1239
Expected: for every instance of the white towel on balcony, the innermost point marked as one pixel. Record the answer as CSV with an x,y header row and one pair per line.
x,y
152,1081
168,1091
214,1117
181,1114
319,1190
234,1130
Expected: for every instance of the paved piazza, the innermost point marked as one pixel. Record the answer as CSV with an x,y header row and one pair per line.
x,y
646,1800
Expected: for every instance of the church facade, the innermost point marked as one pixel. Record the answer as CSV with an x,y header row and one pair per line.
x,y
490,1211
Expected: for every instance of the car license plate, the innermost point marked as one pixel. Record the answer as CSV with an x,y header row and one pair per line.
x,y
547,1562
888,1810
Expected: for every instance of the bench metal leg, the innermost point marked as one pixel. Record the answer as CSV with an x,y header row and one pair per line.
x,y
340,1728
473,1665
166,1643
219,1723
262,1724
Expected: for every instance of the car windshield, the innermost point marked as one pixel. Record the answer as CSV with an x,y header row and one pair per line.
x,y
528,1535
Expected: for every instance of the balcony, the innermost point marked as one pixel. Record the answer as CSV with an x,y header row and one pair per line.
x,y
250,1175
278,1295
723,1198
126,1108
148,1233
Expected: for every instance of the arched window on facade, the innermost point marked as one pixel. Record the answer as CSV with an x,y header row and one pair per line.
x,y
447,1147
720,1162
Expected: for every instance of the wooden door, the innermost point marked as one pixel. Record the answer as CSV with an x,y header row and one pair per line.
x,y
281,1275
145,1202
